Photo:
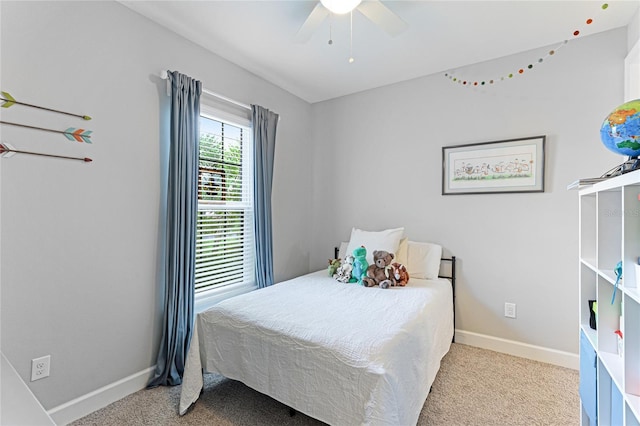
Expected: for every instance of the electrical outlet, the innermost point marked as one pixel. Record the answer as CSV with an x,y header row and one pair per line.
x,y
510,310
40,367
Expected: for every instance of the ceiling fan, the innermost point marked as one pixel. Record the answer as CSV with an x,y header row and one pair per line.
x,y
374,10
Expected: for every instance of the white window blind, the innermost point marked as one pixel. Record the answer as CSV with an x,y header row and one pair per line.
x,y
224,234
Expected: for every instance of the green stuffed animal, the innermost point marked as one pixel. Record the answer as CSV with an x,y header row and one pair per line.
x,y
360,265
334,264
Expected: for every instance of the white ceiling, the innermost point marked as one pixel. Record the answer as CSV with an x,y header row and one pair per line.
x,y
442,36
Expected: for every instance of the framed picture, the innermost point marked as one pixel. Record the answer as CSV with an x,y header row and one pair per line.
x,y
513,165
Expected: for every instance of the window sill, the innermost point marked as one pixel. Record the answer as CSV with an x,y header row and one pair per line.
x,y
206,300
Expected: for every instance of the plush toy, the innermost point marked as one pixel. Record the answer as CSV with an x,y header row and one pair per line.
x,y
400,273
343,274
360,265
334,264
381,272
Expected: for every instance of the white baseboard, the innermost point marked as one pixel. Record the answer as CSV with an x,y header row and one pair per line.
x,y
100,398
523,350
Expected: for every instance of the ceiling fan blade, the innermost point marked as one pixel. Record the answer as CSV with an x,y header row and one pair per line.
x,y
315,18
382,16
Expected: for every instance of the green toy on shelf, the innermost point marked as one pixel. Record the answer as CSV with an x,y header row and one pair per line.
x,y
618,272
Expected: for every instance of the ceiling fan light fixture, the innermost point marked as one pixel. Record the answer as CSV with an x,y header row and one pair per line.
x,y
340,7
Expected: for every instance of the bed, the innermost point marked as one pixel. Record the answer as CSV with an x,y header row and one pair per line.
x,y
341,353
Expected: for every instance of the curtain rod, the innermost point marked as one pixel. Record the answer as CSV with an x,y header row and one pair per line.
x,y
164,76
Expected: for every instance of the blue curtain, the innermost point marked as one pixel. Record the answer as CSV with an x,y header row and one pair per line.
x,y
264,123
182,207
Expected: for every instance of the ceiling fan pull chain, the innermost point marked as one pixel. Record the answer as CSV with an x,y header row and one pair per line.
x,y
351,40
330,36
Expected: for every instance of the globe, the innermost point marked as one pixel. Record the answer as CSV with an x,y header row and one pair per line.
x,y
620,131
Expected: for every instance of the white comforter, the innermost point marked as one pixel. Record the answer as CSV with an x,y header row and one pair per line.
x,y
341,353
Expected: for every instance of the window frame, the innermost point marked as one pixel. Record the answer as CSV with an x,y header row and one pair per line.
x,y
204,299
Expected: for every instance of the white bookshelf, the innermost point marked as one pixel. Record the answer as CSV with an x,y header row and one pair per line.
x,y
609,221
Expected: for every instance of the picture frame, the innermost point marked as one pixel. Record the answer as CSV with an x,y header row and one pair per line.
x,y
498,167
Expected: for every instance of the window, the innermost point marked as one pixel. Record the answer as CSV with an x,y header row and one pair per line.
x,y
224,229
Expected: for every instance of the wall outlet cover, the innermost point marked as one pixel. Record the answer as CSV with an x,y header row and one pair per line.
x,y
40,367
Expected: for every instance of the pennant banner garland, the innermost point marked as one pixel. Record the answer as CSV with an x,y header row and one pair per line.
x,y
475,83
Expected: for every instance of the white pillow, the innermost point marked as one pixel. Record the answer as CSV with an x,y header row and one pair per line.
x,y
423,260
387,240
342,251
403,254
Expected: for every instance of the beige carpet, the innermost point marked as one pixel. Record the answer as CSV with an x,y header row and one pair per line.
x,y
474,387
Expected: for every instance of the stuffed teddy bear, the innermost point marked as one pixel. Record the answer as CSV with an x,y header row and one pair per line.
x,y
360,265
334,264
400,273
381,272
343,274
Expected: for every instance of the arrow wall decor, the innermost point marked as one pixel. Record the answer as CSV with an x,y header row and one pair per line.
x,y
71,133
7,151
9,101
80,135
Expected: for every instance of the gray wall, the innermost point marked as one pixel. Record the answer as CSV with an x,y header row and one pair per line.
x,y
378,164
633,30
80,241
